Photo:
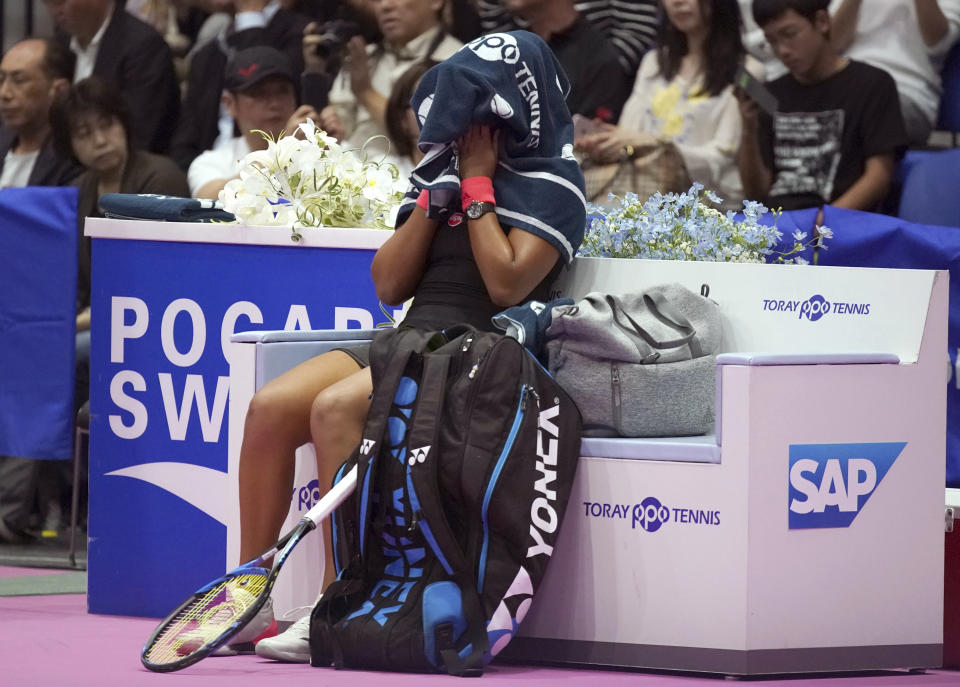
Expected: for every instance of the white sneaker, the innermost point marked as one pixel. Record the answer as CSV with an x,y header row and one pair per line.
x,y
291,646
243,642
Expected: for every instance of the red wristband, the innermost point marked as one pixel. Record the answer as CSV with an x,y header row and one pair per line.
x,y
476,188
423,200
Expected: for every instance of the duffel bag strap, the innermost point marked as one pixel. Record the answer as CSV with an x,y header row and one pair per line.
x,y
667,314
634,329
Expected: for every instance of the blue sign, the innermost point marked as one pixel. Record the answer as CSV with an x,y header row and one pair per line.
x,y
862,239
163,314
831,483
38,311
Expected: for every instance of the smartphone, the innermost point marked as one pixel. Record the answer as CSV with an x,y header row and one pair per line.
x,y
583,126
755,90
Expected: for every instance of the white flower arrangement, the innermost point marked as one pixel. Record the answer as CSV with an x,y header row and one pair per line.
x,y
313,182
679,226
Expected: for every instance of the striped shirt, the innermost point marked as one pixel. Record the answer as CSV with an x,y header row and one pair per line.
x,y
630,24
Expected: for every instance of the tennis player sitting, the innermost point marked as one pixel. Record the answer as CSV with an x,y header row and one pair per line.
x,y
495,209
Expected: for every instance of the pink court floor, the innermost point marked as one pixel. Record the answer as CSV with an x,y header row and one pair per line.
x,y
51,640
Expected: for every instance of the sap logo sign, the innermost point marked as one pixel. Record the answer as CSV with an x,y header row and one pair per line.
x,y
831,483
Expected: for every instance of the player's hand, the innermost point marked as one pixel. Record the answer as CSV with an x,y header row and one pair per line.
x,y
478,152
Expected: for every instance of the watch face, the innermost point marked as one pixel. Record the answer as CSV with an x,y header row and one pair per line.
x,y
478,209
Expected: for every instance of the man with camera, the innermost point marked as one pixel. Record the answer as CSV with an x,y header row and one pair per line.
x,y
204,123
412,30
259,93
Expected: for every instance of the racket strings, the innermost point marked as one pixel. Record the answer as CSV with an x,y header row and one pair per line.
x,y
206,618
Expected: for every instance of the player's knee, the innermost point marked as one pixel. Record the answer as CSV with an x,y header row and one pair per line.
x,y
269,410
327,410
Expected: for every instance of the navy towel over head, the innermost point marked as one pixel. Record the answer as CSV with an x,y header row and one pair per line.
x,y
511,81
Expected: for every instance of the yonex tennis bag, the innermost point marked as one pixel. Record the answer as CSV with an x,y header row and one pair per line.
x,y
464,471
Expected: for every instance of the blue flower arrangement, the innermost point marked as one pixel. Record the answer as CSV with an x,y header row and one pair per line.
x,y
681,226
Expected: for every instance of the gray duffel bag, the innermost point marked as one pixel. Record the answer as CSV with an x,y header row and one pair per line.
x,y
641,364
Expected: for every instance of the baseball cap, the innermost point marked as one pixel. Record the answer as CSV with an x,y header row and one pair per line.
x,y
250,66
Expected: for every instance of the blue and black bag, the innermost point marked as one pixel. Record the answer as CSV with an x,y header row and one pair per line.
x,y
464,471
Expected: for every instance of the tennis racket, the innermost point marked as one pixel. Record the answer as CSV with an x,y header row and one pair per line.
x,y
216,612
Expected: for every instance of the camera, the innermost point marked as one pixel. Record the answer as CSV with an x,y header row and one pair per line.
x,y
334,36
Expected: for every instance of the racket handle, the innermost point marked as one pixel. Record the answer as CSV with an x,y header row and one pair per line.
x,y
333,498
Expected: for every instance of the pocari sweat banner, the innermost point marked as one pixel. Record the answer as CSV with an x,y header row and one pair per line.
x,y
163,315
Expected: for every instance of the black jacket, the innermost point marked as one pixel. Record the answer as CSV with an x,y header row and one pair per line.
x,y
197,129
49,170
134,57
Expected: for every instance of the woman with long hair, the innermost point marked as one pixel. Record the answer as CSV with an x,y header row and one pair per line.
x,y
92,126
683,94
402,121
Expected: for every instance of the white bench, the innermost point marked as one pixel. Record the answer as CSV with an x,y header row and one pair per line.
x,y
682,553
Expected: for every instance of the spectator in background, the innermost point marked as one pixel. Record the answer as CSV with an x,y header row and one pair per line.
x,y
165,16
402,124
683,94
755,43
599,85
837,131
412,30
91,125
260,94
217,15
906,38
630,25
116,46
205,123
32,73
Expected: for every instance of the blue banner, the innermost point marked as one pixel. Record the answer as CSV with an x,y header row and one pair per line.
x,y
38,309
162,314
862,239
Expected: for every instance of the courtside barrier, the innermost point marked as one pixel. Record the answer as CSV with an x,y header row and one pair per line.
x,y
172,295
804,535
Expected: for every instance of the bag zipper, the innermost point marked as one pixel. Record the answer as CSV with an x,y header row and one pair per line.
x,y
417,520
364,505
518,417
615,389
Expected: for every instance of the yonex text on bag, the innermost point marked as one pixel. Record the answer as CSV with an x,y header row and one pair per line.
x,y
464,472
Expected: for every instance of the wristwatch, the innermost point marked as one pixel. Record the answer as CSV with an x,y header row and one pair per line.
x,y
478,208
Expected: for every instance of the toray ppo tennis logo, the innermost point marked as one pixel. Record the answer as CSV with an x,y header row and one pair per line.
x,y
815,307
306,496
829,484
651,514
